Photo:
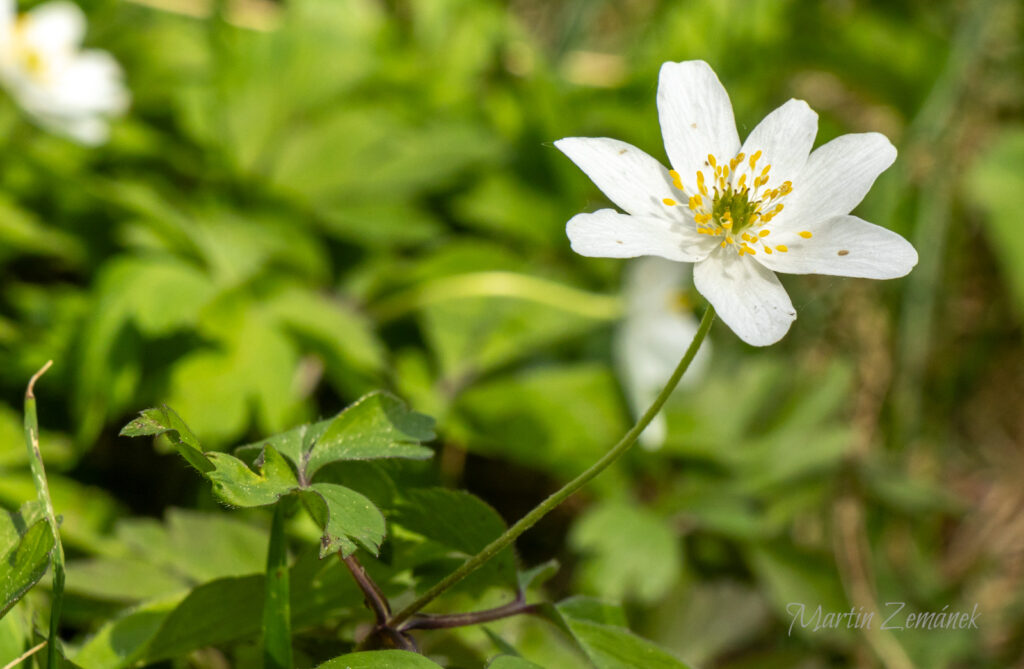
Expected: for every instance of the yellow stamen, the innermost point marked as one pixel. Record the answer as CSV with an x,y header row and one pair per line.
x,y
782,248
768,250
669,201
700,183
805,234
763,233
711,160
754,158
677,181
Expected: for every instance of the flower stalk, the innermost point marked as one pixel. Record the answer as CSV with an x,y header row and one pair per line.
x,y
545,507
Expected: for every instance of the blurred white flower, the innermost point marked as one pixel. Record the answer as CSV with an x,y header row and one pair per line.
x,y
66,89
657,329
739,212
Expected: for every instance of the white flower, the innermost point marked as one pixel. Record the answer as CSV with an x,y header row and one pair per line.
x,y
654,336
741,213
64,88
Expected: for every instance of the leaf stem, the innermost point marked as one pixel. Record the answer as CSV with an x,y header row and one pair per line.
x,y
277,635
375,599
35,459
428,622
541,510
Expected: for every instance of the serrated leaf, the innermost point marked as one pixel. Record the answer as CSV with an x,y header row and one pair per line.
x,y
378,425
601,633
24,563
380,659
347,518
164,420
238,485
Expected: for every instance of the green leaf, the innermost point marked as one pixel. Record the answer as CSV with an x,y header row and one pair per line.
x,y
198,545
601,632
538,575
557,418
24,563
461,522
216,613
380,659
238,485
346,517
378,425
631,552
164,420
990,183
511,662
121,580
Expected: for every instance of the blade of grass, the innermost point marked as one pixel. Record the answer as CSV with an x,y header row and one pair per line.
x,y
43,490
277,633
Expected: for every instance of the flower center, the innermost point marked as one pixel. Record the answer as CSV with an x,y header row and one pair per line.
x,y
738,205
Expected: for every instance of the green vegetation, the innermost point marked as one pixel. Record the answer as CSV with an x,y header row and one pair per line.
x,y
319,274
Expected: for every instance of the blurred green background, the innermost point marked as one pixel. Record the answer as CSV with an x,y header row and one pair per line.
x,y
275,229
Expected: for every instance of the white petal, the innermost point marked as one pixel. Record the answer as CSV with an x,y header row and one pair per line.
x,y
842,246
747,296
608,234
785,138
55,27
92,83
651,284
653,338
630,178
837,176
87,130
8,14
696,117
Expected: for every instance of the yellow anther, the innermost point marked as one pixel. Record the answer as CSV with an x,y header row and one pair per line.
x,y
749,250
743,180
727,225
725,171
805,234
700,183
695,202
787,187
764,172
669,201
763,233
754,158
782,248
747,237
712,161
768,250
729,239
735,161
723,244
676,179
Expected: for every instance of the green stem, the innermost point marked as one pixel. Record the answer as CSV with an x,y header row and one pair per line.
x,y
35,460
530,519
277,634
501,284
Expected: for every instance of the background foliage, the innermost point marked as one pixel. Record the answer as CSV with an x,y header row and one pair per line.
x,y
286,220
